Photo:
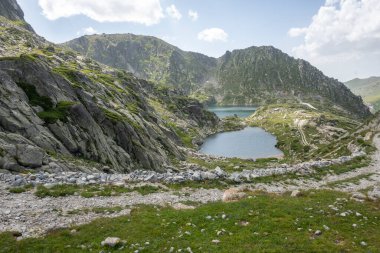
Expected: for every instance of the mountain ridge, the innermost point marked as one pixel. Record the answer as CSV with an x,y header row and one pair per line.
x,y
250,76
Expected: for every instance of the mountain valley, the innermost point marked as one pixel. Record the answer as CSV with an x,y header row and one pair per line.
x,y
101,148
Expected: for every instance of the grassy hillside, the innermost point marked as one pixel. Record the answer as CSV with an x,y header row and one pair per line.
x,y
305,133
368,89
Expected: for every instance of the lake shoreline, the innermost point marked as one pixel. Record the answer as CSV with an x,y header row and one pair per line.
x,y
248,143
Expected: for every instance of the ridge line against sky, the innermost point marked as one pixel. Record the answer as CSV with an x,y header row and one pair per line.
x,y
340,37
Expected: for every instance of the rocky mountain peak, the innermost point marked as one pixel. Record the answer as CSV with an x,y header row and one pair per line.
x,y
12,11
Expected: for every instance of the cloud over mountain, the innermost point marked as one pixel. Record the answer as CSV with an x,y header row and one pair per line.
x,y
193,15
147,12
173,12
213,34
341,31
341,27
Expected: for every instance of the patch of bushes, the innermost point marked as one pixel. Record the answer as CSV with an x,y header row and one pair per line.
x,y
69,74
21,189
50,114
60,112
116,117
89,191
133,108
34,98
113,116
185,137
56,191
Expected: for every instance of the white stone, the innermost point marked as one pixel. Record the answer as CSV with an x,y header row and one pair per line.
x,y
232,194
295,193
111,241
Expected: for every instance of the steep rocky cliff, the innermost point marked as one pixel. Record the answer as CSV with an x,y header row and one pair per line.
x,y
252,76
60,110
12,11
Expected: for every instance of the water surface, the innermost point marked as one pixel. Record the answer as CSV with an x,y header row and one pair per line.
x,y
225,111
251,142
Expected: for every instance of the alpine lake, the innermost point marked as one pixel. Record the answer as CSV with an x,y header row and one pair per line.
x,y
248,143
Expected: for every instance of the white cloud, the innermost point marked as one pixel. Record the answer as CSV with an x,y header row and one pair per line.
x,y
87,31
213,34
332,2
147,12
342,32
295,32
173,12
193,15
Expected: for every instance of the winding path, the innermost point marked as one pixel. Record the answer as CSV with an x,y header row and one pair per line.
x,y
303,137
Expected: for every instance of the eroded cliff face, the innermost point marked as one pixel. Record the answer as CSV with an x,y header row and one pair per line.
x,y
60,110
251,76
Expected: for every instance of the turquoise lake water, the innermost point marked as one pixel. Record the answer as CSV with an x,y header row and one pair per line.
x,y
225,111
249,143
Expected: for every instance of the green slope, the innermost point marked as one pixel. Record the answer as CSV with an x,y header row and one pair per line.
x,y
368,89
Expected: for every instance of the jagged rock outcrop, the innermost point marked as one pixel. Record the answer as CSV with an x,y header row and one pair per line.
x,y
114,126
60,110
252,76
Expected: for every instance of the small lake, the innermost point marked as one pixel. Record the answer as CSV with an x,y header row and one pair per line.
x,y
249,143
225,111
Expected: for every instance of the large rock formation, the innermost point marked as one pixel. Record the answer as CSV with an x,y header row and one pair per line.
x,y
60,110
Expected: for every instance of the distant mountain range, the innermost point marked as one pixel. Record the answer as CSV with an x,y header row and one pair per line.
x,y
251,76
368,89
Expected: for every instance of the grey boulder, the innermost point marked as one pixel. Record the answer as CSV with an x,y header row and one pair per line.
x,y
29,156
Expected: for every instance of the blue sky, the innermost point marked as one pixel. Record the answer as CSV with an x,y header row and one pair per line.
x,y
285,24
